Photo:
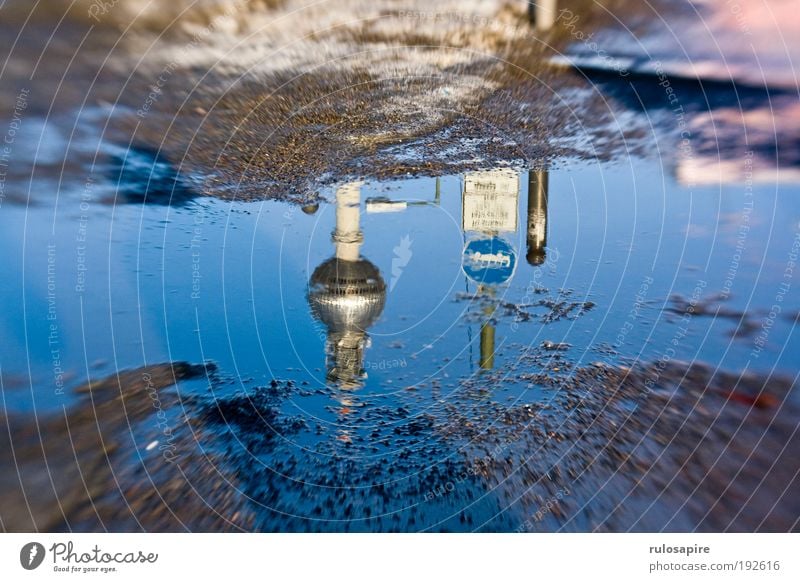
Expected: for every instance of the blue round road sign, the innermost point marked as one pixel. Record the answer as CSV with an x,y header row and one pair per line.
x,y
490,261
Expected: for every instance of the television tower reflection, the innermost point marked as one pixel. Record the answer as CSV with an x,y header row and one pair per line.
x,y
347,294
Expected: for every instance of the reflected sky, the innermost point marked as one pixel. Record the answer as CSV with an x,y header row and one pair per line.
x,y
230,282
403,336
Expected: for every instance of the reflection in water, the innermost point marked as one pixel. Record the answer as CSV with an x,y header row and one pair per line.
x,y
347,294
143,175
487,329
437,447
489,208
382,204
537,217
490,202
310,208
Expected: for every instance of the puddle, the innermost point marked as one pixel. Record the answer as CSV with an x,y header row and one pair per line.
x,y
418,277
389,338
333,299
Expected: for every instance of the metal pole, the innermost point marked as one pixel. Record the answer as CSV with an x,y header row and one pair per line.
x,y
542,14
537,216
